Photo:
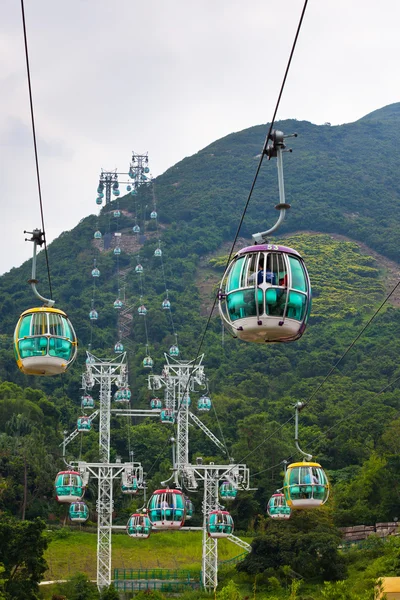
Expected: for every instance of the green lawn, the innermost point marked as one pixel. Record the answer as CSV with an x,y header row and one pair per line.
x,y
69,552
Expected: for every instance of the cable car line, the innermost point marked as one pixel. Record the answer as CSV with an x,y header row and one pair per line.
x,y
35,143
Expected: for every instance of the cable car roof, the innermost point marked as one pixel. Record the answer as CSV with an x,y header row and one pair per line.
x,y
267,248
46,309
305,464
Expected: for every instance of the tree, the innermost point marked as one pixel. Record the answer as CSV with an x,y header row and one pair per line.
x,y
22,545
79,587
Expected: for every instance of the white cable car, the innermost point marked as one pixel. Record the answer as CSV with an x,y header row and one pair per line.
x,y
265,293
219,524
139,526
277,507
69,486
166,509
78,512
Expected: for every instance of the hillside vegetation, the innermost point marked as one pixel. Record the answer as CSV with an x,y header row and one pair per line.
x,y
340,181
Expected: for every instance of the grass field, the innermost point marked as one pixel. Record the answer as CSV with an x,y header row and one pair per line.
x,y
70,552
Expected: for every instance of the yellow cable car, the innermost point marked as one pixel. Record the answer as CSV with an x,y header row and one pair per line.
x,y
305,485
45,342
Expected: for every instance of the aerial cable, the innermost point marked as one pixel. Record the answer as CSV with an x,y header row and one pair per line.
x,y
35,144
307,402
250,194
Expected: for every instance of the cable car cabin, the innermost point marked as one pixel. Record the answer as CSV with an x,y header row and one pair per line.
x,y
142,310
69,486
153,215
117,250
117,214
265,294
167,416
148,362
95,273
219,524
204,403
186,401
118,348
305,485
139,269
83,424
44,342
123,395
97,235
166,304
174,351
227,491
166,509
138,526
277,507
135,228
158,252
93,315
118,304
155,404
78,512
189,508
87,402
99,200
129,483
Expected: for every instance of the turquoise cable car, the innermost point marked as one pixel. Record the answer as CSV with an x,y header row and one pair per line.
x,y
186,401
100,194
134,192
166,509
158,252
116,192
118,304
138,526
97,235
128,188
117,214
118,348
117,250
153,214
142,310
136,228
45,342
277,507
166,304
167,416
148,362
78,512
204,404
265,294
219,524
174,351
155,404
305,485
69,486
95,272
124,394
99,201
146,170
139,269
83,424
87,402
227,491
93,315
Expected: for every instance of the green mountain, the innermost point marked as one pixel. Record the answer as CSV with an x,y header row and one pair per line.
x,y
343,186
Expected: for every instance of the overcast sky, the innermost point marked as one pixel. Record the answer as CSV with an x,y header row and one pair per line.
x,y
169,78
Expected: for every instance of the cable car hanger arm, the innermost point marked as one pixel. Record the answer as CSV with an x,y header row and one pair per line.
x,y
298,407
37,239
275,150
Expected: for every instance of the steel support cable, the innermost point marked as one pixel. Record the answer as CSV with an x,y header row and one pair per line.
x,y
306,403
254,179
343,419
35,144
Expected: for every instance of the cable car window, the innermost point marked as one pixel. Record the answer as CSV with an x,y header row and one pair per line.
x,y
60,348
234,275
25,327
56,324
67,329
296,306
39,324
252,269
298,276
241,304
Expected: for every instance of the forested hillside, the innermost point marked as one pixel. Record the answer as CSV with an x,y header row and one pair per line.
x,y
339,180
